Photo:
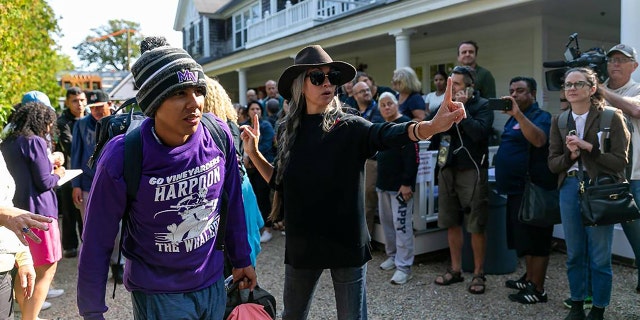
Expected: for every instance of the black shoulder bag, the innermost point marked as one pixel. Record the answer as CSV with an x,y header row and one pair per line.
x,y
540,206
605,201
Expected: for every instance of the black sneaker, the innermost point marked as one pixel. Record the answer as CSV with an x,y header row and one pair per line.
x,y
596,314
529,295
577,311
517,284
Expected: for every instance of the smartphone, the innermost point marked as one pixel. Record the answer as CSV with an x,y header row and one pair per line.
x,y
500,104
469,92
400,198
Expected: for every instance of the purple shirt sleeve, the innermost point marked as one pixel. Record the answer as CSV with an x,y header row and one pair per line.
x,y
105,208
40,167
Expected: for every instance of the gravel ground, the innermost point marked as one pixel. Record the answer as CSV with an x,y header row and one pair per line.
x,y
418,299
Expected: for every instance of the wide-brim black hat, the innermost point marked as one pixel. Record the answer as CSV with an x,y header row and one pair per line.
x,y
309,57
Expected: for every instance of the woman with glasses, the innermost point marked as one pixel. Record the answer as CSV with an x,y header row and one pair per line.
x,y
410,102
319,176
574,146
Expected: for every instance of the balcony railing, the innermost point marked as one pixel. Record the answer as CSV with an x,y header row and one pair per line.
x,y
301,16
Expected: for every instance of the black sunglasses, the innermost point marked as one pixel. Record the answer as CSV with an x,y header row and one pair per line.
x,y
317,77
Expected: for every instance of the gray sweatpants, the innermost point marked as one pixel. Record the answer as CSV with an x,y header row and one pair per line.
x,y
397,225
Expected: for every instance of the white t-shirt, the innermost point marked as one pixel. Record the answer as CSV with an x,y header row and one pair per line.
x,y
433,100
631,91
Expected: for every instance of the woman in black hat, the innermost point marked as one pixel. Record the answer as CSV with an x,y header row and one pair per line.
x,y
319,174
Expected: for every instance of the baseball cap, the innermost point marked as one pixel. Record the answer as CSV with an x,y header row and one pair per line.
x,y
628,51
96,97
36,96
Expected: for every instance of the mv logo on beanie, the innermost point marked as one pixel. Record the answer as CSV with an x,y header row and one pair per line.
x,y
187,75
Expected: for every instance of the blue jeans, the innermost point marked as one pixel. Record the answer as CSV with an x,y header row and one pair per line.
x,y
632,228
350,286
588,249
208,303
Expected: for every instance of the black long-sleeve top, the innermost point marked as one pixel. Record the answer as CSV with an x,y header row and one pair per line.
x,y
397,166
474,130
323,190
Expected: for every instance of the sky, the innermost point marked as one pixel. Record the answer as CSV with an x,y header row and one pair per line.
x,y
76,18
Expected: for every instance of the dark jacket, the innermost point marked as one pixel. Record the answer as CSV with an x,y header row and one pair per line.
x,y
594,162
65,123
475,131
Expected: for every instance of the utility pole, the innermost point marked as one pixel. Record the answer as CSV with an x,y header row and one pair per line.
x,y
117,33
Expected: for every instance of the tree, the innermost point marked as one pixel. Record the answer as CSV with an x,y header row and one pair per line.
x,y
29,56
107,48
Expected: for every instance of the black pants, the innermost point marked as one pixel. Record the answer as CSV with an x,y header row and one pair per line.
x,y
71,218
262,191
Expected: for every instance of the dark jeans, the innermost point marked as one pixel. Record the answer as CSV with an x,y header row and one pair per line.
x,y
71,218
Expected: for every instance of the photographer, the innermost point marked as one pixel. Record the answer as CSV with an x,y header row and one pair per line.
x,y
524,150
620,91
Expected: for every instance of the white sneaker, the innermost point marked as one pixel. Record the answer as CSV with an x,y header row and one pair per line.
x,y
46,305
400,277
54,293
388,264
265,237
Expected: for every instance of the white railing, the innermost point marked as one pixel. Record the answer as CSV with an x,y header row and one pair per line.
x,y
298,17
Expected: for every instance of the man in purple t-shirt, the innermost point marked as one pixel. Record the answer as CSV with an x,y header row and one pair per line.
x,y
173,269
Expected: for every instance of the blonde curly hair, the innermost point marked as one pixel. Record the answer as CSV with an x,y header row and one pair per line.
x,y
218,102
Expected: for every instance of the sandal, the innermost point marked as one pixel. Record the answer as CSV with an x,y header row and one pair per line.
x,y
478,281
450,277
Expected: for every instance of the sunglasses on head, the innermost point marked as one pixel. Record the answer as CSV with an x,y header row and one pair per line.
x,y
317,77
461,70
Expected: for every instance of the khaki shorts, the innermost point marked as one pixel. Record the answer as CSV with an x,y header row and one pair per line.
x,y
455,189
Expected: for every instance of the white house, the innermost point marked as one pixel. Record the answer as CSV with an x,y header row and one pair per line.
x,y
246,42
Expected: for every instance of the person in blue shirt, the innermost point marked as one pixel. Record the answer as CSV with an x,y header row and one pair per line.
x,y
524,148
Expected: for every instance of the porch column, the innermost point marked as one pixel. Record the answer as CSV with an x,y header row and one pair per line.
x,y
403,47
242,86
629,26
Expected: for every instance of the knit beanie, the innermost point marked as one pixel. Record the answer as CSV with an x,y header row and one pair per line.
x,y
161,70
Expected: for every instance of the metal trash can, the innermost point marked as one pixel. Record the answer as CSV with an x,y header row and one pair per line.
x,y
498,259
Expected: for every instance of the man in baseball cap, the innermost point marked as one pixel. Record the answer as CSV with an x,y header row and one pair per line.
x,y
622,92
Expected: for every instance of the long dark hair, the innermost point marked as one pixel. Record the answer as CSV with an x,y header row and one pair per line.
x,y
33,118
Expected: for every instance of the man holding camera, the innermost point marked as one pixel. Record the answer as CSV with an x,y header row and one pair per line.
x,y
623,93
523,151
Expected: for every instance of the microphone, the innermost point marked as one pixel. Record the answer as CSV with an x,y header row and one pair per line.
x,y
554,64
573,36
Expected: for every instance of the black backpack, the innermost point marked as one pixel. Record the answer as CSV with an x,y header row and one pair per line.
x,y
129,125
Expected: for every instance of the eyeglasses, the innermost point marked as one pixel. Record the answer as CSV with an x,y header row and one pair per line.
x,y
363,91
317,77
577,85
619,60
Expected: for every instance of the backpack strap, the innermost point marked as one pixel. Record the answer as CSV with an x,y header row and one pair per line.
x,y
132,173
605,118
221,139
563,118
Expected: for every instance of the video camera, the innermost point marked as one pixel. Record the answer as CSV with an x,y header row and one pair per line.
x,y
594,59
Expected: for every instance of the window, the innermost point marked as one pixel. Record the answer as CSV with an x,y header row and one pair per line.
x,y
241,22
